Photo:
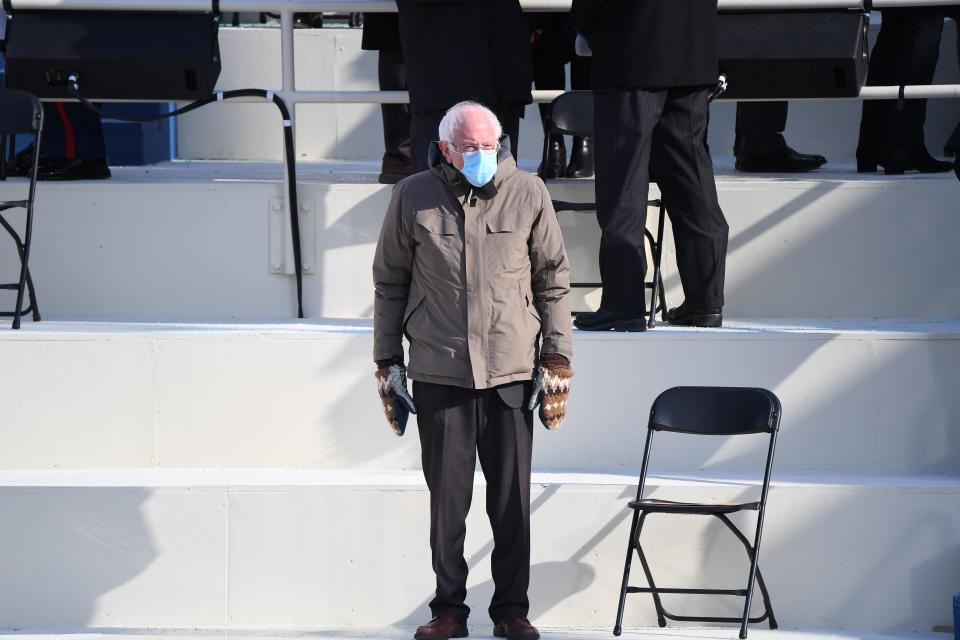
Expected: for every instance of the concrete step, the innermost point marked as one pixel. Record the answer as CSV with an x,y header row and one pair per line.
x,y
208,549
331,59
478,630
87,395
186,240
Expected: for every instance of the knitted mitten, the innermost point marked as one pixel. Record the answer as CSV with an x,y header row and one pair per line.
x,y
553,383
397,403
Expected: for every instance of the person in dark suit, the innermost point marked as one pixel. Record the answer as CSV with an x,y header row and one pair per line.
x,y
891,131
381,32
759,146
457,51
653,64
552,37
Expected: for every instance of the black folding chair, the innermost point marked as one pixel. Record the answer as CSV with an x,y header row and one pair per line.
x,y
21,112
571,114
716,411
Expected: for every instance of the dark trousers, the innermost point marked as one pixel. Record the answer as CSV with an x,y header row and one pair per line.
x,y
392,74
759,128
425,128
906,52
70,130
660,134
456,424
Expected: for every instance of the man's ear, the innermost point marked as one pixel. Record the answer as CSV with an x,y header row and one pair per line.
x,y
445,150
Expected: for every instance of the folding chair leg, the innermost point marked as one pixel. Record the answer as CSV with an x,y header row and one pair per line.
x,y
754,573
617,628
661,620
32,294
657,270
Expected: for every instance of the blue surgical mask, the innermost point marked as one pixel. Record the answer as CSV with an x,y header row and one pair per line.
x,y
479,167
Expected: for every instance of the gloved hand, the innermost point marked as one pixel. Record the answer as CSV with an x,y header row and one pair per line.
x,y
551,388
397,403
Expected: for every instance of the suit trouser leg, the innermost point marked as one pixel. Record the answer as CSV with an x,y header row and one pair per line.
x,y
684,172
509,116
448,441
759,128
924,29
505,445
424,129
392,76
624,121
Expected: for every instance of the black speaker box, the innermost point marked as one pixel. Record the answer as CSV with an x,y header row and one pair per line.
x,y
794,54
115,54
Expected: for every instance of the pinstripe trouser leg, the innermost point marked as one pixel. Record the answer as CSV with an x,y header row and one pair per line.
x,y
624,122
639,132
683,170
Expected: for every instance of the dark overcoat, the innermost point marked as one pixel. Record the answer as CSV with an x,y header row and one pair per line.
x,y
465,49
650,44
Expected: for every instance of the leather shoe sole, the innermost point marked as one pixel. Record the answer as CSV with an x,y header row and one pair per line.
x,y
500,632
696,319
457,633
622,324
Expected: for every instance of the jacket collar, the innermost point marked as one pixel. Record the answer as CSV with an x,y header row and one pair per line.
x,y
451,176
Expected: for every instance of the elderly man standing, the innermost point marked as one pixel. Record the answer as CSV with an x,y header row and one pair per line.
x,y
471,268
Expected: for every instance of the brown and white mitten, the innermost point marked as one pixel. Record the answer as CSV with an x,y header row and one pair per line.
x,y
396,400
551,389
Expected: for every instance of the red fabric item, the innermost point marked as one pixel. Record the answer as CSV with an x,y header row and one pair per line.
x,y
71,143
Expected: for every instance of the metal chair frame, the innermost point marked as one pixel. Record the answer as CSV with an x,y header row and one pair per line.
x,y
577,120
643,507
13,107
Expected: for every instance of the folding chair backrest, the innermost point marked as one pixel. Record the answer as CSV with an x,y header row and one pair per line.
x,y
572,113
20,112
722,411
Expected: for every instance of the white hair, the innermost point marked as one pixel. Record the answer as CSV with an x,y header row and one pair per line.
x,y
454,117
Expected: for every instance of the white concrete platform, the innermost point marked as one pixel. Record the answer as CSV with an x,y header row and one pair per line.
x,y
81,395
477,630
210,549
195,240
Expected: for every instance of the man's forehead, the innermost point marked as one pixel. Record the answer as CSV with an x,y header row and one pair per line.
x,y
476,126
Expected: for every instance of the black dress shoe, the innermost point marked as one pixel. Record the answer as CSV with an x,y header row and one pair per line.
x,y
684,316
604,320
75,169
556,159
581,158
394,168
786,160
442,627
899,161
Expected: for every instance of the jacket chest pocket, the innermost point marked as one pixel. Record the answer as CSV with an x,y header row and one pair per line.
x,y
510,239
438,237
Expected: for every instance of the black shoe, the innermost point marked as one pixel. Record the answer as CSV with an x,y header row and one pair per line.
x,y
786,160
604,320
22,163
899,161
76,169
556,159
581,158
684,316
394,168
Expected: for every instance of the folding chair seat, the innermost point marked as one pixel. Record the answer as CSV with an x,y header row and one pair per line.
x,y
571,114
705,411
21,112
